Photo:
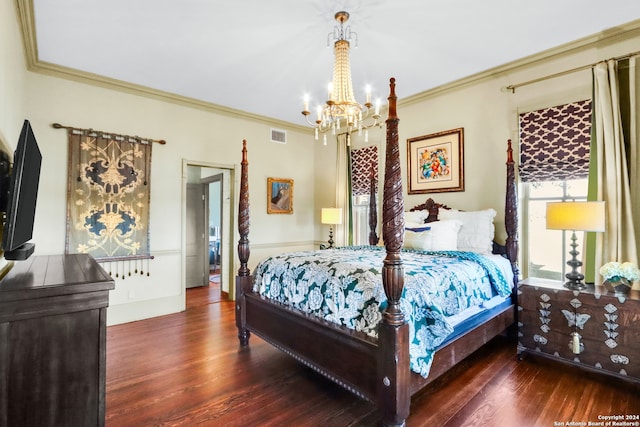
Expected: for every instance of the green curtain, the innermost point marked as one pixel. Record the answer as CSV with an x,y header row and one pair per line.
x,y
343,189
349,192
613,177
589,267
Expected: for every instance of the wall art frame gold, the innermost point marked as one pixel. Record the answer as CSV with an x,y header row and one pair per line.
x,y
279,196
436,162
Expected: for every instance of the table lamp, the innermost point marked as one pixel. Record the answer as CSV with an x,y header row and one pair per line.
x,y
575,216
331,216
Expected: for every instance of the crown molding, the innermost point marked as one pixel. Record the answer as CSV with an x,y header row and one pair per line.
x,y
598,40
24,9
27,25
67,73
26,18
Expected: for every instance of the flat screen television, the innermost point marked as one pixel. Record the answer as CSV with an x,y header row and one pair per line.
x,y
21,197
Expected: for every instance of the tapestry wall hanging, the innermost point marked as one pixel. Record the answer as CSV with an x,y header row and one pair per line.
x,y
108,196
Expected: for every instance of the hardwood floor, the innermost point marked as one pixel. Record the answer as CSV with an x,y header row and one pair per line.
x,y
187,369
204,295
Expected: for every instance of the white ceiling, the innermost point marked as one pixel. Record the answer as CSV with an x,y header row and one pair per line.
x,y
261,56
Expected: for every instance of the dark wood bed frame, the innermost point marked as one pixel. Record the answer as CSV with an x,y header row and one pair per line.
x,y
376,370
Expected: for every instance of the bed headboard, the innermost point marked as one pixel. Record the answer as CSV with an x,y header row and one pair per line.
x,y
510,249
434,209
431,206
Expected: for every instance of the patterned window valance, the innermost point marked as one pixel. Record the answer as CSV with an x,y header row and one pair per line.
x,y
361,161
554,142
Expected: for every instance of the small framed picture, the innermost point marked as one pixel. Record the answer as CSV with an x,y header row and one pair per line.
x,y
279,196
436,162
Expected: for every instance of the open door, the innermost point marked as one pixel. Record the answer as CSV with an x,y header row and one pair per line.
x,y
214,222
197,240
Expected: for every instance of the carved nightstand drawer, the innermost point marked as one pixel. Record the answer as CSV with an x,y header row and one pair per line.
x,y
591,328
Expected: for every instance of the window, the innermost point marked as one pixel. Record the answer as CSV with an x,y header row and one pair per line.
x,y
360,215
546,252
364,163
554,165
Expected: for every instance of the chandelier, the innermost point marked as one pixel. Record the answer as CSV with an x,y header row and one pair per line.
x,y
341,107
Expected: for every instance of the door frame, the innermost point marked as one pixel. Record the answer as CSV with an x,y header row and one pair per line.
x,y
228,227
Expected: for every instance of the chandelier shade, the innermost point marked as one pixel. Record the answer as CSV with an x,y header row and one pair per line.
x,y
342,93
341,107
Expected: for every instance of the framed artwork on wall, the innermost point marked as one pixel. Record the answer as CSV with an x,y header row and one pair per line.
x,y
279,196
436,162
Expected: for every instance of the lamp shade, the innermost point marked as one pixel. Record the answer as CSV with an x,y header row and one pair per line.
x,y
579,216
331,216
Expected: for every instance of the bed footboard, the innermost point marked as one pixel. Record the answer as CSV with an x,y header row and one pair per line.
x,y
393,375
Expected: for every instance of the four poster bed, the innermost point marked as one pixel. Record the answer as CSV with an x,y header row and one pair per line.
x,y
372,352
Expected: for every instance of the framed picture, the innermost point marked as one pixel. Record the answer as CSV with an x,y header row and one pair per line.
x,y
279,196
436,162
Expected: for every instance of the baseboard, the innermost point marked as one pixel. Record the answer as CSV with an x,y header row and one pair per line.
x,y
140,310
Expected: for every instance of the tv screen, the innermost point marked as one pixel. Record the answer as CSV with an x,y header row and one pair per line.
x,y
21,200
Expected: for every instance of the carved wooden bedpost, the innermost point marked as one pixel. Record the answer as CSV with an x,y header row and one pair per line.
x,y
511,214
243,279
373,207
393,333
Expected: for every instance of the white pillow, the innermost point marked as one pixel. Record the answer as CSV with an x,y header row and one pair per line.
x,y
435,236
476,234
415,217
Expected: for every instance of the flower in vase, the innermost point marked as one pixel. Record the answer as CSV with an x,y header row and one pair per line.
x,y
614,271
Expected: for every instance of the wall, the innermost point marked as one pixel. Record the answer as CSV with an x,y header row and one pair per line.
x,y
12,85
198,135
191,134
195,134
488,114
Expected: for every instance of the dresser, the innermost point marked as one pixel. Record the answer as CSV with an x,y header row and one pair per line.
x,y
53,342
591,328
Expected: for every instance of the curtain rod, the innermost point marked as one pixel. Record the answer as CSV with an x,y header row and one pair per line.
x,y
59,126
512,88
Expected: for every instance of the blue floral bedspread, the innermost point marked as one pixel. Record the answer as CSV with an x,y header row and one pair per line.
x,y
344,286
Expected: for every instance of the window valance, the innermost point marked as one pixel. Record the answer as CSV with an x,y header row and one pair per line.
x,y
361,161
555,141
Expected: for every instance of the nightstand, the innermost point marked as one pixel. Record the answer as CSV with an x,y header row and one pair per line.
x,y
591,328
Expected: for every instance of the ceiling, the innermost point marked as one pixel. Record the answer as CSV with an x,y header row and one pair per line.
x,y
262,56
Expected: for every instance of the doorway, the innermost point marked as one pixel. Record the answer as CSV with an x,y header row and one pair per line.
x,y
208,257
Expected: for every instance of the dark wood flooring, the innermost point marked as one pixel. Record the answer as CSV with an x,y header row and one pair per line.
x,y
187,369
204,295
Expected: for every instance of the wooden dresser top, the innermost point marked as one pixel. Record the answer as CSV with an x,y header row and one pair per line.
x,y
54,275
